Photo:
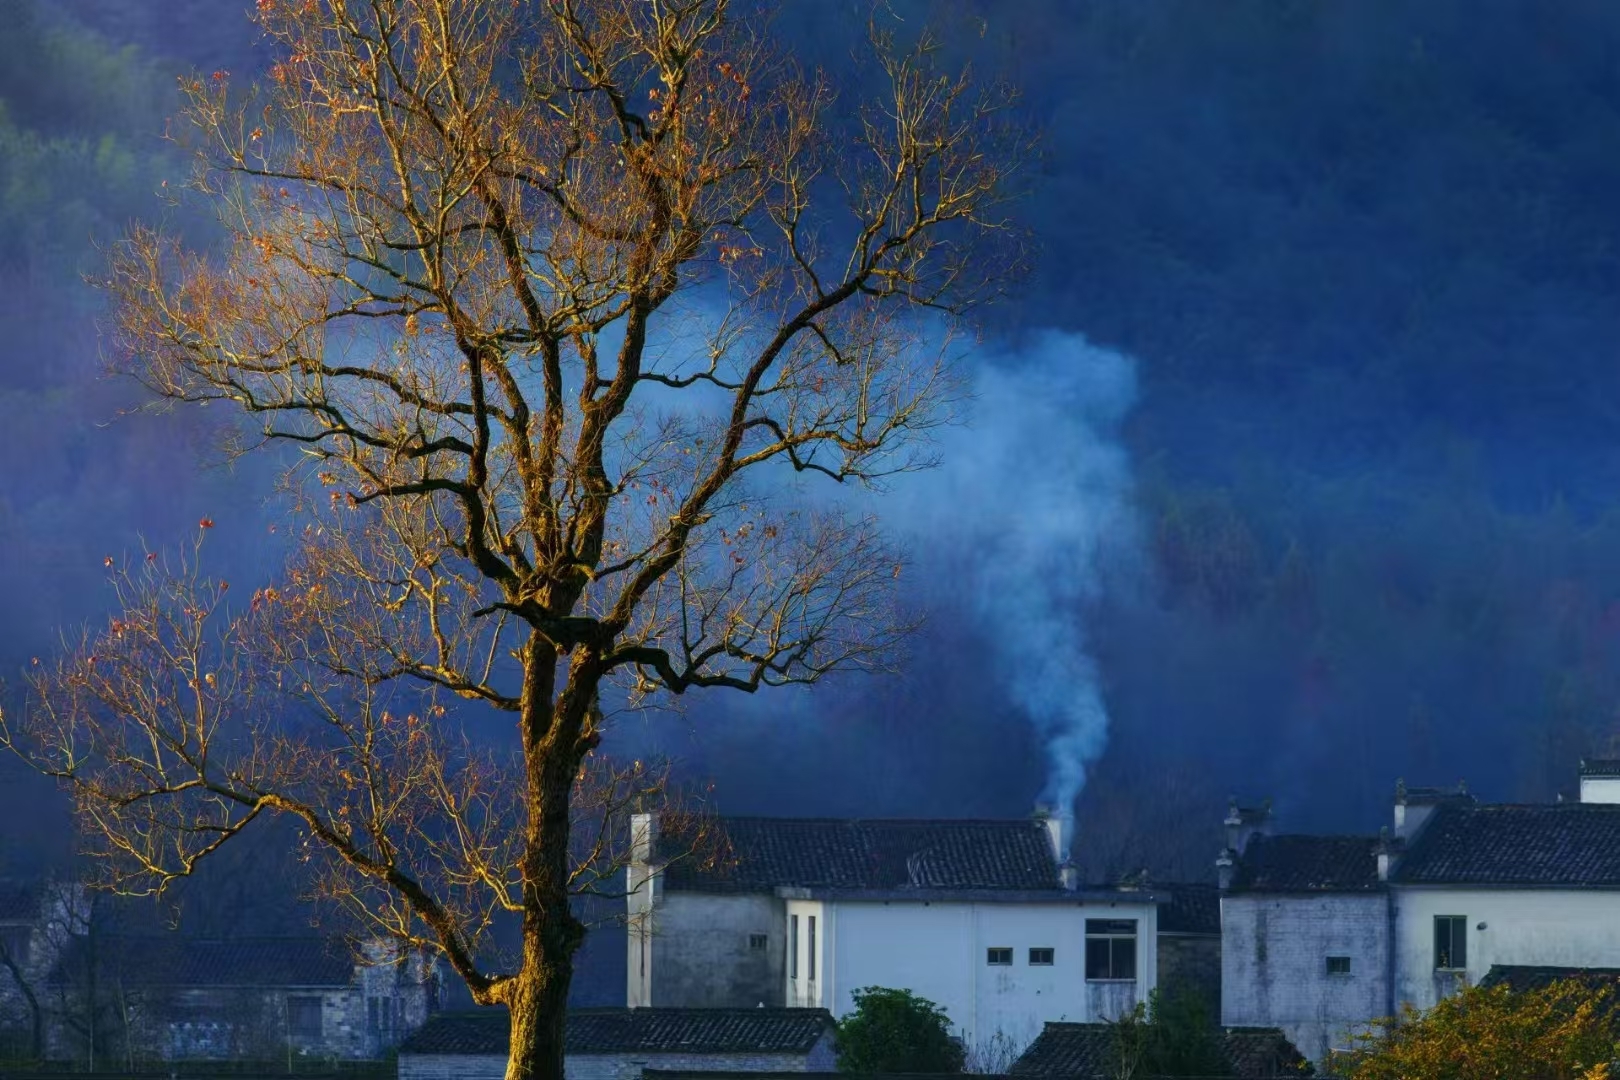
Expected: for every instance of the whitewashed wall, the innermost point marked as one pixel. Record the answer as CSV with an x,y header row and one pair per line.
x,y
1551,927
1274,952
617,1066
938,950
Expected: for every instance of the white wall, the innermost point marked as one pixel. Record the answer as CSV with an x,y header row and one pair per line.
x,y
1552,927
938,950
1274,952
1600,789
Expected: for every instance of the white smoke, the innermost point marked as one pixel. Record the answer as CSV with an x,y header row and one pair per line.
x,y
1036,488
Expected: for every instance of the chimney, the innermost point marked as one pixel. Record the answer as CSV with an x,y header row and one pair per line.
x,y
1225,864
1414,806
1060,834
1386,851
1243,822
1600,780
643,837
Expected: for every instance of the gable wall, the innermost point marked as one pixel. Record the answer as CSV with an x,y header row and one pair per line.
x,y
698,951
1274,952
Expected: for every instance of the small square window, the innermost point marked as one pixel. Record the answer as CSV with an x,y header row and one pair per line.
x,y
758,941
998,957
1338,965
1040,957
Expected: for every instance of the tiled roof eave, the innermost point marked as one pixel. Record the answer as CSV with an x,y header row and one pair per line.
x,y
977,896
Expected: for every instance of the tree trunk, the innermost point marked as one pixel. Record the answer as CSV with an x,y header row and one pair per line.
x,y
538,1005
537,999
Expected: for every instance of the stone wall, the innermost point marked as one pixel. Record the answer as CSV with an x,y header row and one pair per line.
x,y
1193,962
704,951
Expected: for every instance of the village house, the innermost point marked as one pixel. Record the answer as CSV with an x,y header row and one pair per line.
x,y
983,917
174,998
1321,934
618,1044
1093,1052
36,921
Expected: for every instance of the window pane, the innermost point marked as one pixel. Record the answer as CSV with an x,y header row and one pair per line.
x,y
1338,965
1124,966
1450,941
999,956
1097,958
793,946
812,959
1040,956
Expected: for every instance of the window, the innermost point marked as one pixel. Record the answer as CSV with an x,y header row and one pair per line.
x,y
1450,942
812,948
14,944
758,941
1338,965
1110,949
998,957
304,1017
793,946
1040,957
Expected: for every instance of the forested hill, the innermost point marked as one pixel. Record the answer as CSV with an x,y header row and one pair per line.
x,y
1367,258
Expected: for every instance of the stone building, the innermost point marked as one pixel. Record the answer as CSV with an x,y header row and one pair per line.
x,y
982,917
37,919
618,1044
173,998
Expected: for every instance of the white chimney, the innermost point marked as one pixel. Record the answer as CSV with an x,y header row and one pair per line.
x,y
1600,780
643,837
1225,864
1060,834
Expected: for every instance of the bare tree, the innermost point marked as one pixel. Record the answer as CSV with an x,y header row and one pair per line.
x,y
557,298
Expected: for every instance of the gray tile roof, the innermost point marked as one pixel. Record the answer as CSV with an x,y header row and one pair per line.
x,y
1600,767
1087,1051
1193,909
1569,844
1522,978
765,853
651,1030
1306,864
180,962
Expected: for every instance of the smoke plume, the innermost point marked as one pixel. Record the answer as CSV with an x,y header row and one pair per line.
x,y
1036,492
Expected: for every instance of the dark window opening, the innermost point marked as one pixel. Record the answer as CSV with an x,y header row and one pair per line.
x,y
998,957
758,941
1338,965
1450,942
812,948
1110,949
793,946
304,1017
1040,957
14,944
